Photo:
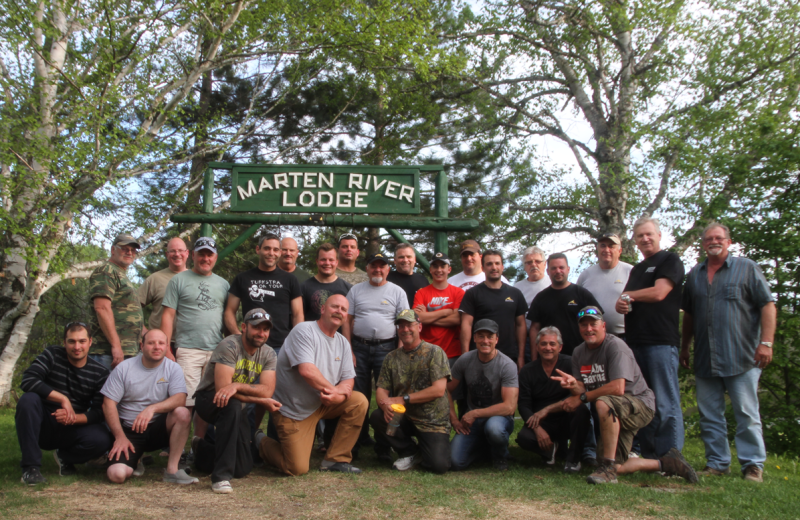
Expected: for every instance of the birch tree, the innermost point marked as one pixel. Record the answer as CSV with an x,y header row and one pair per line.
x,y
621,88
93,95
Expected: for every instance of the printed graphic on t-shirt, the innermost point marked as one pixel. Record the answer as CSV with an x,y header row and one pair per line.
x,y
438,303
481,392
319,298
467,285
593,375
246,371
261,288
204,300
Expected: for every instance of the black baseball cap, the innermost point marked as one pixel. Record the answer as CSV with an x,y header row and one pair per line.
x,y
440,257
377,256
489,325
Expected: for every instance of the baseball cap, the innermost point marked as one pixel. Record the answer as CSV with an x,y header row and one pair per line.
x,y
347,236
205,243
257,316
124,239
590,311
377,256
489,325
407,315
610,236
440,257
470,246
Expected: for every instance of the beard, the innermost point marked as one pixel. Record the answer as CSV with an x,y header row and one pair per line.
x,y
714,251
376,279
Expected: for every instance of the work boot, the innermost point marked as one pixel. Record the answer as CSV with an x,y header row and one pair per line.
x,y
673,463
606,473
753,473
708,471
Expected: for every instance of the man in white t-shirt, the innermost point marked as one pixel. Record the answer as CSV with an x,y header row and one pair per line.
x,y
144,406
606,280
533,261
473,273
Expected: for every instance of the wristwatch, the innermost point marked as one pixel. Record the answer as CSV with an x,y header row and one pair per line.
x,y
583,398
767,344
406,400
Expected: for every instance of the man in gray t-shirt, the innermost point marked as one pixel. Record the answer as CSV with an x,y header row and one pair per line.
x,y
373,306
492,387
193,305
606,280
605,374
144,408
241,371
315,378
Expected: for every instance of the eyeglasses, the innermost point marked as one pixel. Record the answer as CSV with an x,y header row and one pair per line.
x,y
128,249
589,312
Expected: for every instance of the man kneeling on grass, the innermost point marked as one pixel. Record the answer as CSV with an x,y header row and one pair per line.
x,y
413,376
315,377
144,405
612,382
241,370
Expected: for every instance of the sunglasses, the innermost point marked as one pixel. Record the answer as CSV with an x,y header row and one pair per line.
x,y
347,236
258,316
80,323
589,312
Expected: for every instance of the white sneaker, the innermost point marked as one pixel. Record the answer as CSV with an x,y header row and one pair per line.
x,y
222,487
550,459
139,471
406,463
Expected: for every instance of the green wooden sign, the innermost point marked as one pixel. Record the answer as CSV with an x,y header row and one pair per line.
x,y
325,189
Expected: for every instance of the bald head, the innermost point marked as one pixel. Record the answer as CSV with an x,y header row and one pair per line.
x,y
289,254
177,254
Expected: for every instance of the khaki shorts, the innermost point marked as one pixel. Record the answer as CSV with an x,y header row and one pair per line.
x,y
632,414
193,362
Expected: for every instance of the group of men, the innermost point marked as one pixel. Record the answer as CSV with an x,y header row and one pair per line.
x,y
592,367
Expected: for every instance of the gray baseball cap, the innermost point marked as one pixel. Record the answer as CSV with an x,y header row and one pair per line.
x,y
257,316
489,325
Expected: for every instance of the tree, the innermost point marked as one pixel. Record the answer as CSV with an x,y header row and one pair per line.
x,y
93,97
621,86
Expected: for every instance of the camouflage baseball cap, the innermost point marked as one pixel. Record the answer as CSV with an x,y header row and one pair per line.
x,y
124,239
407,315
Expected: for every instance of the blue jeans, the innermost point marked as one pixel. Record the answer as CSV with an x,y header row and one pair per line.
x,y
659,366
369,360
742,390
494,431
103,359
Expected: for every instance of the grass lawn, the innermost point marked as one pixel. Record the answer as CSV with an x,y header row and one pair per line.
x,y
527,490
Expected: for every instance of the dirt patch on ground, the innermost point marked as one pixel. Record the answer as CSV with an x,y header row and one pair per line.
x,y
266,495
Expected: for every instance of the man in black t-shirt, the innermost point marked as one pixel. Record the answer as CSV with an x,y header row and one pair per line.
x,y
651,329
548,428
267,287
317,289
405,259
496,301
558,305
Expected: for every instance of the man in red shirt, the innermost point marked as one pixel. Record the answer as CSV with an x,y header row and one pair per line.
x,y
437,308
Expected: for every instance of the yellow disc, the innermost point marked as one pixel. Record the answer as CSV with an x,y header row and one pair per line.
x,y
399,408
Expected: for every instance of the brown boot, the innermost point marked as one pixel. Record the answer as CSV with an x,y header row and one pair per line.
x,y
708,471
673,463
753,474
606,473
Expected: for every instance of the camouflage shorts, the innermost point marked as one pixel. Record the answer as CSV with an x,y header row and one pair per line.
x,y
632,414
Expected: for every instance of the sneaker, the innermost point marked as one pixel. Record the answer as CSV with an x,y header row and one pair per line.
x,y
32,476
550,458
500,464
342,467
99,462
673,463
139,471
179,477
753,473
406,463
708,471
572,467
590,462
65,469
604,474
634,455
223,486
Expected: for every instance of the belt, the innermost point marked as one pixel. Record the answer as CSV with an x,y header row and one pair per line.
x,y
366,341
